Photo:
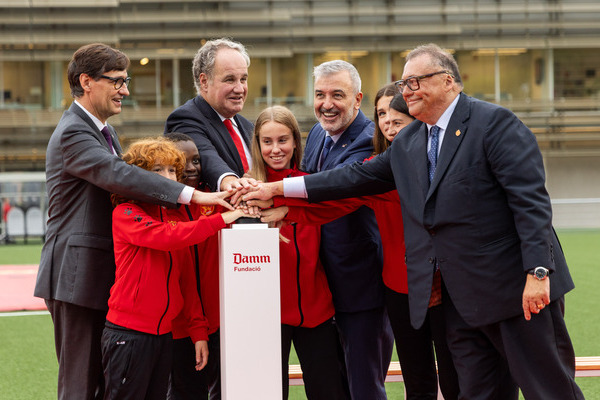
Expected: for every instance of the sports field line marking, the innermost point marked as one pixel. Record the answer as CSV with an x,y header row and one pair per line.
x,y
18,271
23,313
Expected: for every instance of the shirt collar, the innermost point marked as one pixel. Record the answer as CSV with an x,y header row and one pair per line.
x,y
95,120
232,119
444,120
335,138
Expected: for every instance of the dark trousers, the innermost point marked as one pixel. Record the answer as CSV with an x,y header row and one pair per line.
x,y
368,343
136,364
77,335
318,351
415,351
537,353
186,382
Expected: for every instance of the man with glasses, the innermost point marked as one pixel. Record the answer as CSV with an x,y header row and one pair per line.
x,y
477,216
83,168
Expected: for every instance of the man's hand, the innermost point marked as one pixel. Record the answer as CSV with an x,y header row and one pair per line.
x,y
274,214
251,210
233,183
201,347
217,198
265,191
536,295
262,204
238,186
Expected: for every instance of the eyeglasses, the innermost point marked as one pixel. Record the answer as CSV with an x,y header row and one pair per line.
x,y
412,82
118,82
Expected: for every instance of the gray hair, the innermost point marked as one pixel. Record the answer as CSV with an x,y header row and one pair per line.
x,y
204,60
439,57
335,66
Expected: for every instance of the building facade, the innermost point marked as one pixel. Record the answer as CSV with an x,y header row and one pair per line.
x,y
540,58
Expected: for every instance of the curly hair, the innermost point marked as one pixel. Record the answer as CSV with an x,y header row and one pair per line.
x,y
146,153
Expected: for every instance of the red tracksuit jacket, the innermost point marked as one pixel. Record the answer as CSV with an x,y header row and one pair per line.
x,y
388,213
205,264
154,276
305,295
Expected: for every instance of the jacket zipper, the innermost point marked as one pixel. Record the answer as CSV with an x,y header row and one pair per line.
x,y
298,276
168,279
197,264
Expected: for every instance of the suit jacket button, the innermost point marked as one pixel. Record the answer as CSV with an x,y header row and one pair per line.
x,y
431,232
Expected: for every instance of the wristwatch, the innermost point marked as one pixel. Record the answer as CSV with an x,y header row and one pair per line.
x,y
539,272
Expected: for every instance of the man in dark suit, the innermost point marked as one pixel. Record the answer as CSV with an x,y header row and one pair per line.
x,y
77,266
350,246
476,213
222,135
220,70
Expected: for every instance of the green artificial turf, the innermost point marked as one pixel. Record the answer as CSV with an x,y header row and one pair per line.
x,y
28,369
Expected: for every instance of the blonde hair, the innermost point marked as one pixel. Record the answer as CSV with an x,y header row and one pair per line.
x,y
284,116
281,115
146,153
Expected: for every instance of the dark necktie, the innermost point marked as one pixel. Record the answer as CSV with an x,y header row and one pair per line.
x,y
436,286
108,138
433,151
238,143
325,152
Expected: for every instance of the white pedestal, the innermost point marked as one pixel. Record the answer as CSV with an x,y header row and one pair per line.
x,y
250,313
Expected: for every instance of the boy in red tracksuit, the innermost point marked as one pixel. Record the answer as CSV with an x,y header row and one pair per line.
x,y
306,304
153,282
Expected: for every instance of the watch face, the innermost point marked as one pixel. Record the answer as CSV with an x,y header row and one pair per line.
x,y
541,273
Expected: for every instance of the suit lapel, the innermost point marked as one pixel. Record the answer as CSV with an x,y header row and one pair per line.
x,y
312,152
221,130
94,129
334,151
455,132
345,140
245,135
338,147
417,150
115,140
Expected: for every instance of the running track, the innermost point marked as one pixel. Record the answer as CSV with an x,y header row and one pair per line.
x,y
16,288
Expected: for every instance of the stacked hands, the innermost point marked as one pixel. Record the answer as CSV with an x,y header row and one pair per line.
x,y
248,197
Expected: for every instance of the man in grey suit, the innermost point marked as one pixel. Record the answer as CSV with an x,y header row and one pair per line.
x,y
77,265
477,215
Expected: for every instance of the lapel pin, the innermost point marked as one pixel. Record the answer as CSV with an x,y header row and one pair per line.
x,y
345,144
457,133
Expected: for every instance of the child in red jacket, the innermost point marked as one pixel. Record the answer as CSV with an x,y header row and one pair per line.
x,y
186,383
154,281
306,305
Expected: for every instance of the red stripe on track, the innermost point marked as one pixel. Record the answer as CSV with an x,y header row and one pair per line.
x,y
16,288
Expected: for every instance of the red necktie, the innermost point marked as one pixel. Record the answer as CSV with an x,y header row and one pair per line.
x,y
238,143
